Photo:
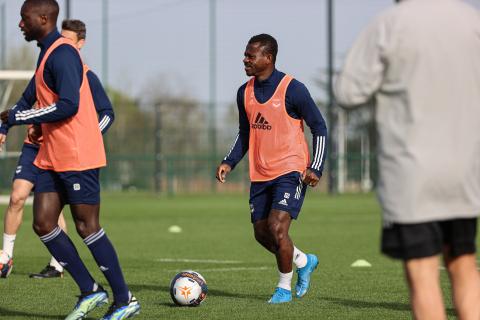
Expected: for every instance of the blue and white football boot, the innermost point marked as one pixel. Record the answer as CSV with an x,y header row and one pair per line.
x,y
87,302
123,310
304,274
280,296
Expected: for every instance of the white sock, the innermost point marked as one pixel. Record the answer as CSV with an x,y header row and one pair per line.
x,y
8,243
54,263
299,258
285,281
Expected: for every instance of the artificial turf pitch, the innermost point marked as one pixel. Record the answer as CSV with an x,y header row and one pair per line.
x,y
217,241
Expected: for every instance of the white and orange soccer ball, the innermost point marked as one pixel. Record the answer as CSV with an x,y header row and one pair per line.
x,y
5,268
188,288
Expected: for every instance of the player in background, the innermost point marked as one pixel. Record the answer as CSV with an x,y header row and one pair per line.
x,y
272,107
70,157
420,61
26,173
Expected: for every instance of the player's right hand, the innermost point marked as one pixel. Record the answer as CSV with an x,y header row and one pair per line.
x,y
310,178
3,138
222,171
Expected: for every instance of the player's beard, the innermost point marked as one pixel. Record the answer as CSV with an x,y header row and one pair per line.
x,y
250,71
32,34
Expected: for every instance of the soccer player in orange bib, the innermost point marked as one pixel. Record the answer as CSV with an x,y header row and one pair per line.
x,y
70,157
272,107
26,172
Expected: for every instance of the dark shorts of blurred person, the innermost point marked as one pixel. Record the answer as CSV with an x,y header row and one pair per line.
x,y
453,238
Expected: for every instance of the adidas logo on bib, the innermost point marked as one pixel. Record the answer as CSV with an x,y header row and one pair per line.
x,y
261,123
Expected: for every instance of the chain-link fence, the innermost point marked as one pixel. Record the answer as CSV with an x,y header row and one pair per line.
x,y
167,147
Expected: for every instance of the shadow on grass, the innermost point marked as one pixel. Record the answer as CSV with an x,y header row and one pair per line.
x,y
173,305
14,313
211,292
397,306
168,304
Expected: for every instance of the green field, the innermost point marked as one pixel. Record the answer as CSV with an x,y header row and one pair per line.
x,y
339,229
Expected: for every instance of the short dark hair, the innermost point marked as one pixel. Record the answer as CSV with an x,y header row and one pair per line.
x,y
76,26
49,7
267,42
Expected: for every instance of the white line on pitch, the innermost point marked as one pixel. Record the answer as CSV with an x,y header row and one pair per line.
x,y
6,200
199,261
235,269
226,269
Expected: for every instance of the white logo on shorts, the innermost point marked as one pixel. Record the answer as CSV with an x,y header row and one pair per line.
x,y
19,169
283,202
103,268
286,195
76,186
252,209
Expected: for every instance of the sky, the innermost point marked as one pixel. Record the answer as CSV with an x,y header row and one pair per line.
x,y
169,40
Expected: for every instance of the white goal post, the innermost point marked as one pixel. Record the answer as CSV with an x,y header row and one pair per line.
x,y
7,79
9,76
16,74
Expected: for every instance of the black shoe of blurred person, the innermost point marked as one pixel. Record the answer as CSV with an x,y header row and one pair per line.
x,y
47,272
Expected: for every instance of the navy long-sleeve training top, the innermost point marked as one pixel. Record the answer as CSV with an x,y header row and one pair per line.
x,y
65,81
299,105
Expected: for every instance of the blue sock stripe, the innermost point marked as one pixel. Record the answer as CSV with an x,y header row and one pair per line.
x,y
92,235
52,235
96,238
92,238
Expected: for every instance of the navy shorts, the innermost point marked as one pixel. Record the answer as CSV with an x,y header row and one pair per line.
x,y
421,240
26,170
285,193
75,187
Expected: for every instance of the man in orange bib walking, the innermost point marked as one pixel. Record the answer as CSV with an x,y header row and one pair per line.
x,y
272,108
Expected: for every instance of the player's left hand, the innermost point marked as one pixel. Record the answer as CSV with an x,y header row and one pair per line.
x,y
4,116
222,171
34,133
310,178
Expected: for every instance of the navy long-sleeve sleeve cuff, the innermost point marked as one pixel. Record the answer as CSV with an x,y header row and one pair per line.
x,y
319,154
237,151
3,128
53,113
105,120
317,172
102,102
229,162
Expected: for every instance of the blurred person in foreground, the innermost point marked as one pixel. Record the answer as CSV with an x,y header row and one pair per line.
x,y
420,62
272,107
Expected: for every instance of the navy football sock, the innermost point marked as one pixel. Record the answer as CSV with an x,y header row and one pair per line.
x,y
107,260
62,248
